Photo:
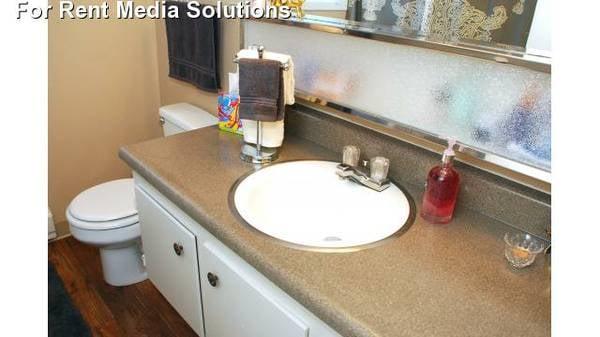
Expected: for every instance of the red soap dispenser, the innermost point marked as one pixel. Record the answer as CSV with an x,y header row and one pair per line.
x,y
441,189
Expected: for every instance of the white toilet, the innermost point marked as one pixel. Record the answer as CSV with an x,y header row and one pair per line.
x,y
105,215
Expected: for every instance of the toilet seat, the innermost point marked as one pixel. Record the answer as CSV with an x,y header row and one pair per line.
x,y
107,206
101,225
108,237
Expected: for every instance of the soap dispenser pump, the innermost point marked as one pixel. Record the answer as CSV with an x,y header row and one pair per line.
x,y
441,189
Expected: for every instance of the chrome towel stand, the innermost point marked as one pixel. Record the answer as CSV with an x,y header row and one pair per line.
x,y
258,154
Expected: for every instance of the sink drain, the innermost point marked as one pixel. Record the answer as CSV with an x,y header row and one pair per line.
x,y
332,238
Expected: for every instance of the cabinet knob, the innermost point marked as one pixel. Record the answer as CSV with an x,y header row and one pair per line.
x,y
212,279
178,248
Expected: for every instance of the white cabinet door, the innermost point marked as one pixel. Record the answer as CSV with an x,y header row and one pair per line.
x,y
237,304
171,259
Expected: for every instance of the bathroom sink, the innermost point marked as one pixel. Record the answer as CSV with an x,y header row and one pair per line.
x,y
305,205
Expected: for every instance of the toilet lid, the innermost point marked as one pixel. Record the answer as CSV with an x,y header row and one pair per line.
x,y
105,202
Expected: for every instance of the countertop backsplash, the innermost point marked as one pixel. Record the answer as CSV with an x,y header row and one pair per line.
x,y
504,200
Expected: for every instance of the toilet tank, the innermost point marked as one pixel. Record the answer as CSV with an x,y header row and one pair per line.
x,y
182,117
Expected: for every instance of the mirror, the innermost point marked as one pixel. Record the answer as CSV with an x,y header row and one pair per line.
x,y
494,98
499,111
499,24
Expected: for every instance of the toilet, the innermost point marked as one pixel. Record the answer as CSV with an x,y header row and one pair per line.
x,y
105,215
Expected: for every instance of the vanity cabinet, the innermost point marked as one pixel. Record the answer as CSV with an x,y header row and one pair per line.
x,y
213,288
235,304
171,259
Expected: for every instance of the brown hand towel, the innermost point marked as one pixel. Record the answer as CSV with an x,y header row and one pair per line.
x,y
261,90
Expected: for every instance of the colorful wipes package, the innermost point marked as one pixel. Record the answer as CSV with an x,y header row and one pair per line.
x,y
229,119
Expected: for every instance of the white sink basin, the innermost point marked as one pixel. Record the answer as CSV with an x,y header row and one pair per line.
x,y
305,204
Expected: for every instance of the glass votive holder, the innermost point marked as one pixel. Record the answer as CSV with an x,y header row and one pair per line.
x,y
351,155
520,249
379,167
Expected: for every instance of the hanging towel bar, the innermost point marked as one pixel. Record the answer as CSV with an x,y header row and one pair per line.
x,y
261,49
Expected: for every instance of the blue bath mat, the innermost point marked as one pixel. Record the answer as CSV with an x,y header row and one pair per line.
x,y
64,320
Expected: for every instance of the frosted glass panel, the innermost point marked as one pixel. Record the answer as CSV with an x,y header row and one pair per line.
x,y
499,108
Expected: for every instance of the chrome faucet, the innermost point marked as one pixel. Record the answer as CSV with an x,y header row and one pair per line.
x,y
372,174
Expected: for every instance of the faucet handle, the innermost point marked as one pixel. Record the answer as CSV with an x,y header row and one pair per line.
x,y
379,168
351,155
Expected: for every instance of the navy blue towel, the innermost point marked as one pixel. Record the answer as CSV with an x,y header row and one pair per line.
x,y
193,46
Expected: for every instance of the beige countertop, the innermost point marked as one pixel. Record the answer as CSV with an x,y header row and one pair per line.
x,y
431,281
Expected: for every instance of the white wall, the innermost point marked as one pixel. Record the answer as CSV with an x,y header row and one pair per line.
x,y
540,36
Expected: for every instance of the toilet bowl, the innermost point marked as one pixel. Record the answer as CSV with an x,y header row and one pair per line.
x,y
105,215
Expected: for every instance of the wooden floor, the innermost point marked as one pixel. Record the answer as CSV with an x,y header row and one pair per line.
x,y
136,310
